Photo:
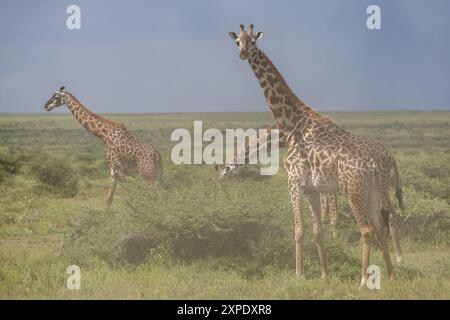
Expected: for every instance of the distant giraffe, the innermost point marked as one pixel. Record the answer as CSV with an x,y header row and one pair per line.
x,y
231,168
123,149
323,158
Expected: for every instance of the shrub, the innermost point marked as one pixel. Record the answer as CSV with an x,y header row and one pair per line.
x,y
237,223
425,220
8,166
55,176
134,247
428,174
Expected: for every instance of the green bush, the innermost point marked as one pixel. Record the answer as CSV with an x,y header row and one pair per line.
x,y
244,225
89,161
203,222
427,173
8,166
55,176
425,220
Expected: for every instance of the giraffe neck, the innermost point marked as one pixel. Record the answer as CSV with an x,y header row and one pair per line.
x,y
291,114
92,122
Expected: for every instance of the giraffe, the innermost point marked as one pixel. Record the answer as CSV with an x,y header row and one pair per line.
x,y
123,149
329,204
323,158
231,168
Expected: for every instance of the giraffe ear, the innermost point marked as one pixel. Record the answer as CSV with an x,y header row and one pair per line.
x,y
233,35
259,35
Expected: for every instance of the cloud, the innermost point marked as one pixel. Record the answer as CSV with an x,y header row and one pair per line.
x,y
176,57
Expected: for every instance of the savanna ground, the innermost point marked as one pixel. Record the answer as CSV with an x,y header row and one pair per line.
x,y
203,238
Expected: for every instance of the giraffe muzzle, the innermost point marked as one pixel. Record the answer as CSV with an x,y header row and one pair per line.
x,y
243,54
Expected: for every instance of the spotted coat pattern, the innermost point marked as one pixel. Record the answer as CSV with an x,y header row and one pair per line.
x,y
324,158
231,168
124,151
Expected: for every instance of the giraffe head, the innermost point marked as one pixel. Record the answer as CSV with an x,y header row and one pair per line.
x,y
246,40
56,100
228,170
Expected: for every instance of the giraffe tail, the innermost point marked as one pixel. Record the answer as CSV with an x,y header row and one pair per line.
x,y
398,186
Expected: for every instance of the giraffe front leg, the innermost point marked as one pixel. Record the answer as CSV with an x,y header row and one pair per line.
x,y
359,205
296,194
116,168
314,205
112,188
365,235
333,207
324,210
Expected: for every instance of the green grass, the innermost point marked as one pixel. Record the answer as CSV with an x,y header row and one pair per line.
x,y
207,239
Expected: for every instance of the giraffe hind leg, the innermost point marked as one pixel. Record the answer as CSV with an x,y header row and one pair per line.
x,y
329,211
379,219
147,169
393,226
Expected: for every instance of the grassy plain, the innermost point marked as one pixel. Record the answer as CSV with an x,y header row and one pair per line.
x,y
203,238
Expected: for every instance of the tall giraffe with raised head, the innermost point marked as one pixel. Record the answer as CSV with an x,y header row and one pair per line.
x,y
123,149
322,158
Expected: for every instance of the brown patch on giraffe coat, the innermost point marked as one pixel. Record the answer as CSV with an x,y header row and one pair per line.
x,y
287,113
273,99
277,112
280,90
272,80
124,149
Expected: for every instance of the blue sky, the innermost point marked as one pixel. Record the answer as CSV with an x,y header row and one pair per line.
x,y
176,56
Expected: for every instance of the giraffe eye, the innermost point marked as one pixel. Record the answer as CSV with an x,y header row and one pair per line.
x,y
237,43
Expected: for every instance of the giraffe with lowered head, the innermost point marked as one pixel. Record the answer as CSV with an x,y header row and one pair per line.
x,y
123,149
329,202
324,158
232,168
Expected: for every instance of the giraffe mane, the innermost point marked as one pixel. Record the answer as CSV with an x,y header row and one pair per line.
x,y
320,118
316,116
96,116
327,117
279,76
